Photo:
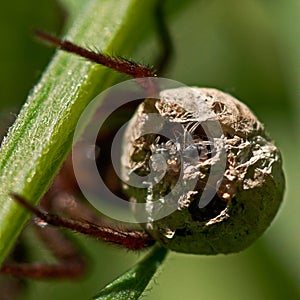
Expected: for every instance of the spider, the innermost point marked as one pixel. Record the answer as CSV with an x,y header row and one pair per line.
x,y
222,225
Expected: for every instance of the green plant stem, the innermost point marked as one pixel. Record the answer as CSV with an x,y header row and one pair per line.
x,y
41,137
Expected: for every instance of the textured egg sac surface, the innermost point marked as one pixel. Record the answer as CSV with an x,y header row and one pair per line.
x,y
241,165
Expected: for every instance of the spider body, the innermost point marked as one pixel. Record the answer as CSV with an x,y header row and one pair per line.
x,y
237,161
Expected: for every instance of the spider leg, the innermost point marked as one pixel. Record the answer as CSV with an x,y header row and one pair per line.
x,y
142,74
133,240
71,265
125,66
14,287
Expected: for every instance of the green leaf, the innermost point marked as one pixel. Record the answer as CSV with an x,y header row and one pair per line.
x,y
131,284
41,137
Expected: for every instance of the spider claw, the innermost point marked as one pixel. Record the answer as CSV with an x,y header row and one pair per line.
x,y
47,37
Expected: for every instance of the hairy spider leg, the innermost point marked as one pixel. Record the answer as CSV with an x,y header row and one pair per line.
x,y
133,240
70,263
142,74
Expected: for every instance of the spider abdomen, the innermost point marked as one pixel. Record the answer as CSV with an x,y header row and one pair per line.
x,y
210,159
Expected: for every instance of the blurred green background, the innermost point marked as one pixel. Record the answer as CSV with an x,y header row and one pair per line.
x,y
248,48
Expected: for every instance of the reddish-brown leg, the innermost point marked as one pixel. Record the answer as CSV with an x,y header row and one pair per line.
x,y
70,263
13,287
142,74
133,240
125,66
